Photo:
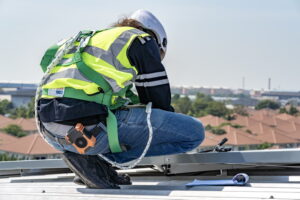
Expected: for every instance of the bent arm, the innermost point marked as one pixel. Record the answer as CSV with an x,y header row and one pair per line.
x,y
152,83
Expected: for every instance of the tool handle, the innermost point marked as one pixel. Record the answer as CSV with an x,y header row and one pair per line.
x,y
223,142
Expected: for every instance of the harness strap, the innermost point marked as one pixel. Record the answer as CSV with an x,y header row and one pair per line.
x,y
69,92
111,121
93,76
112,133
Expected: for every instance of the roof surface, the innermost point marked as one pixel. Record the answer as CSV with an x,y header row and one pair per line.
x,y
6,139
32,144
259,127
25,124
60,186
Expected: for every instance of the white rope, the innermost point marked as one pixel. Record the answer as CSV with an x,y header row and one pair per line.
x,y
133,163
69,44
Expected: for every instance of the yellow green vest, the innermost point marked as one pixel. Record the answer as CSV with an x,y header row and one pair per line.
x,y
100,72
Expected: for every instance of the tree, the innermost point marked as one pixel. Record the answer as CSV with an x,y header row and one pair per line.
x,y
283,110
265,145
25,112
267,104
217,130
182,105
198,108
6,157
5,107
203,105
217,109
19,112
241,110
293,111
14,130
175,97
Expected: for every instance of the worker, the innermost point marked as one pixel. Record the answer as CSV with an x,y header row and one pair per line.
x,y
85,102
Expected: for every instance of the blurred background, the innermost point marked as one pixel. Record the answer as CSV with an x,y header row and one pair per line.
x,y
232,64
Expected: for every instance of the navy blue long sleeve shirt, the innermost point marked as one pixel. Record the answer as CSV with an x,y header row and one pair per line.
x,y
151,83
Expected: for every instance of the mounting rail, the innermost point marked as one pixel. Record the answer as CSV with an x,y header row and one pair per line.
x,y
259,162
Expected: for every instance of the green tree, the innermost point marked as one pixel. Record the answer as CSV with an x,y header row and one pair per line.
x,y
283,110
25,112
204,97
5,107
14,130
267,104
293,111
182,105
217,130
175,97
217,109
241,110
201,106
30,108
198,107
6,157
265,145
19,112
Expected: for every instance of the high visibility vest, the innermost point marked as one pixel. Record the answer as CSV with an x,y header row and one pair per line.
x,y
100,72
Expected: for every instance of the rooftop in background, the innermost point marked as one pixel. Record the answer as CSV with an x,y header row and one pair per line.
x,y
4,84
30,146
25,124
281,94
263,126
7,139
20,93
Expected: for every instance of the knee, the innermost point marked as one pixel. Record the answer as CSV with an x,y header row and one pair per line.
x,y
198,131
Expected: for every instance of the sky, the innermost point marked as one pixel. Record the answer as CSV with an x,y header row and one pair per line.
x,y
211,43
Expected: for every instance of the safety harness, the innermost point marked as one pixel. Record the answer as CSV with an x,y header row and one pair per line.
x,y
105,94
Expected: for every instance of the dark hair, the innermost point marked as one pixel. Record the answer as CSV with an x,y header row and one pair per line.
x,y
133,23
128,22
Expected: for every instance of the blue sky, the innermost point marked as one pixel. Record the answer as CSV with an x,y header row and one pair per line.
x,y
211,43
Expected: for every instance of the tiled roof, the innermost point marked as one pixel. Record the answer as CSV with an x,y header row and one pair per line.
x,y
26,124
284,116
210,139
32,144
240,137
4,121
212,120
7,139
259,127
235,137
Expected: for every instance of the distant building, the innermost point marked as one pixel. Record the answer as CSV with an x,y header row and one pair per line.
x,y
204,90
20,93
282,95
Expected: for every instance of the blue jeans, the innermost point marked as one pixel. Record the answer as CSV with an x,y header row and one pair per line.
x,y
172,133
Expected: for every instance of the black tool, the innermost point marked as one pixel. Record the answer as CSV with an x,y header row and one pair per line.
x,y
219,147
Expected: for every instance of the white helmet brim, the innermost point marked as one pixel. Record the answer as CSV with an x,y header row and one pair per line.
x,y
150,22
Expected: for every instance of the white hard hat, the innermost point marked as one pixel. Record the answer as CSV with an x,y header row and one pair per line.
x,y
150,22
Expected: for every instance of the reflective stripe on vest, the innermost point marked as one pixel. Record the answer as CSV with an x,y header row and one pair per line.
x,y
110,59
62,76
69,72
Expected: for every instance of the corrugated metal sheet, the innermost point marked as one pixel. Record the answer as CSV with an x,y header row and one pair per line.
x,y
148,187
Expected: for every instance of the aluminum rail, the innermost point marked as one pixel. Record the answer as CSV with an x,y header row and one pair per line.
x,y
180,163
